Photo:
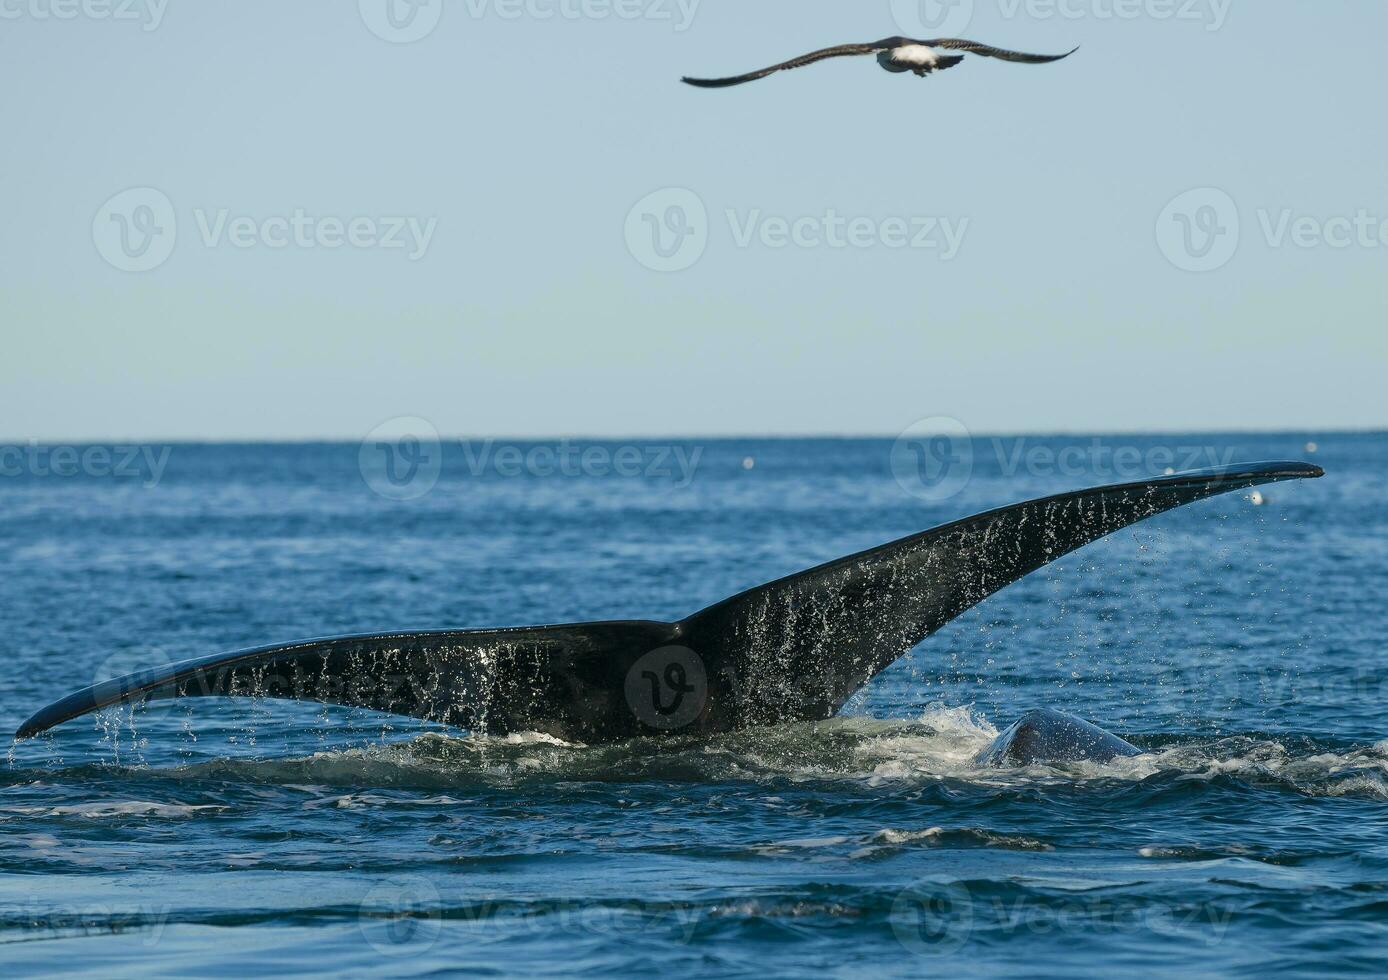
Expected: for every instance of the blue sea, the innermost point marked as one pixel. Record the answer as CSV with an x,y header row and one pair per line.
x,y
1239,641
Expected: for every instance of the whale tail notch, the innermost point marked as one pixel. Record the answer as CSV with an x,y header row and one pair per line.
x,y
794,649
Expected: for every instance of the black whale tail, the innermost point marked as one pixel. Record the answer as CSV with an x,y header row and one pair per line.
x,y
792,650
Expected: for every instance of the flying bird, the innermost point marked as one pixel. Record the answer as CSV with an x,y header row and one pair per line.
x,y
895,54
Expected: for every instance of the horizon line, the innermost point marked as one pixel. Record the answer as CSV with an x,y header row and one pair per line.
x,y
685,438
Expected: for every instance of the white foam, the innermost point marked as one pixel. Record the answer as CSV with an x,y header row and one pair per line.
x,y
124,808
940,744
889,836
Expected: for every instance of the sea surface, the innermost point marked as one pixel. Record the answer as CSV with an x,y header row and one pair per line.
x,y
1240,641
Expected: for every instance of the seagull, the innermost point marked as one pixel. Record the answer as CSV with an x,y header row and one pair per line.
x,y
895,54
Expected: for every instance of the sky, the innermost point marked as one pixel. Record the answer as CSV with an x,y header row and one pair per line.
x,y
251,219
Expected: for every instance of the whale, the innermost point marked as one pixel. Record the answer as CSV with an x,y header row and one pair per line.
x,y
1048,736
791,650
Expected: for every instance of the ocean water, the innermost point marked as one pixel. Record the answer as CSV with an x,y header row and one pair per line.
x,y
1240,642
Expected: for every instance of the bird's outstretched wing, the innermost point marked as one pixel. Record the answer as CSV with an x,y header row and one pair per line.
x,y
841,51
988,51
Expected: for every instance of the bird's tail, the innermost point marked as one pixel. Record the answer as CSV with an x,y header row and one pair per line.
x,y
948,61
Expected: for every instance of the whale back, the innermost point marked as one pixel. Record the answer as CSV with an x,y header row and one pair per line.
x,y
1047,736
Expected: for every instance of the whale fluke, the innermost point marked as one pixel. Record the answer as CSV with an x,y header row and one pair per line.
x,y
792,650
1049,736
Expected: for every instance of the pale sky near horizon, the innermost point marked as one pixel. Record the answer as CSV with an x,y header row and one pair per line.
x,y
1007,245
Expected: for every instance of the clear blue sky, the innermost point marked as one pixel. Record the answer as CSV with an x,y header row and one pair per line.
x,y
525,142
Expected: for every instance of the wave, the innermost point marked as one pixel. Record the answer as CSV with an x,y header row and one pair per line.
x,y
937,748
